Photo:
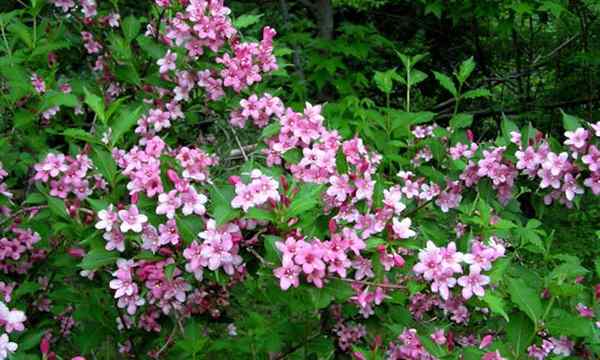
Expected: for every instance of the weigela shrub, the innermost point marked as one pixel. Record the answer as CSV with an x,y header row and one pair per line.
x,y
122,238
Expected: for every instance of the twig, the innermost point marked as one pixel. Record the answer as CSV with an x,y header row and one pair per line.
x,y
168,342
369,283
239,144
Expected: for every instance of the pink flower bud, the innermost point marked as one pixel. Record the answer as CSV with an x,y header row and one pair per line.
x,y
172,175
470,135
234,180
134,198
76,252
486,341
332,226
44,345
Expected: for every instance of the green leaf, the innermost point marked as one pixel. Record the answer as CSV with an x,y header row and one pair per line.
x,y
565,324
98,258
526,299
385,80
23,119
57,98
306,199
465,70
81,134
104,163
460,121
22,31
476,93
519,334
446,83
246,20
496,304
131,27
416,76
26,288
270,130
571,122
151,47
221,198
260,214
57,207
97,204
123,123
189,227
96,103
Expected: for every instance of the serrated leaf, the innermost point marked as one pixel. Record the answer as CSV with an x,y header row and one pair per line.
x,y
460,121
476,93
526,299
81,134
496,304
57,207
189,227
306,199
465,70
446,83
246,20
104,163
96,103
98,258
570,122
270,130
122,124
519,333
131,27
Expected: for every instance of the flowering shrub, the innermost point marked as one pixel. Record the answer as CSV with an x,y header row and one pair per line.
x,y
122,238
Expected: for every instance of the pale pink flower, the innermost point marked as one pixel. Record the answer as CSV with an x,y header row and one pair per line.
x,y
402,228
167,62
473,284
132,219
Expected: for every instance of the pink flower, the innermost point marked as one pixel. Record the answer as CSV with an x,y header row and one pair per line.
x,y
6,346
402,228
473,284
167,62
108,217
288,275
132,219
439,337
38,83
309,257
340,187
577,138
65,5
596,128
168,203
12,320
486,341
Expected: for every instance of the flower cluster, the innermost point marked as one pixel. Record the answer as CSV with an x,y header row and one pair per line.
x,y
409,347
440,266
116,224
558,346
142,166
17,254
68,175
259,191
10,320
219,249
126,290
260,110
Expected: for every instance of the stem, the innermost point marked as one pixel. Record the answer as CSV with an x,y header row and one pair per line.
x,y
8,51
408,87
548,308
